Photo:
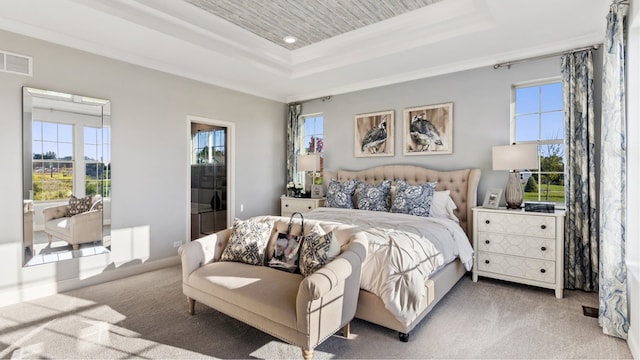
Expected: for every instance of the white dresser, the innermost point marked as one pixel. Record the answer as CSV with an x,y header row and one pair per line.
x,y
289,205
519,246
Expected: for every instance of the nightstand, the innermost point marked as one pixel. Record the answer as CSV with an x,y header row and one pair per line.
x,y
289,205
519,246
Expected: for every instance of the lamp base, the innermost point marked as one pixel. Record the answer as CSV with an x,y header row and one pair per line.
x,y
513,194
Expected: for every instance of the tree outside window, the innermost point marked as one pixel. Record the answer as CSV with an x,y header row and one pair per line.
x,y
538,118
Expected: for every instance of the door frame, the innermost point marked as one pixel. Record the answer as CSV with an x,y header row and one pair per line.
x,y
231,169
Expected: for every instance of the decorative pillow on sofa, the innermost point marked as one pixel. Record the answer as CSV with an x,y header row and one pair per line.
x,y
78,205
443,206
317,249
248,241
413,199
373,197
340,194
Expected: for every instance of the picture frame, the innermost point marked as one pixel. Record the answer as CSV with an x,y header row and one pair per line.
x,y
428,130
492,198
374,134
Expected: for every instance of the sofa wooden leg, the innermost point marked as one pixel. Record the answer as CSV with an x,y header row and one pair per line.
x,y
49,237
75,246
346,330
192,305
307,354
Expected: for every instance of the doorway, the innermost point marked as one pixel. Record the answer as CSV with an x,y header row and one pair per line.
x,y
209,165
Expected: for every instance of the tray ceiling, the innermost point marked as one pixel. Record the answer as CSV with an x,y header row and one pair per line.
x,y
344,45
307,21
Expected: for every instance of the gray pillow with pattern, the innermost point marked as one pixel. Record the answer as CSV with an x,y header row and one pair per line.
x,y
78,205
317,249
248,241
340,194
413,199
374,197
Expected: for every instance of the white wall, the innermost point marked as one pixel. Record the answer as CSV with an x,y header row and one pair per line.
x,y
481,117
150,175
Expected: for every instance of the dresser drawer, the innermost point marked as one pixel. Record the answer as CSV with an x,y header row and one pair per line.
x,y
530,225
525,268
533,247
290,205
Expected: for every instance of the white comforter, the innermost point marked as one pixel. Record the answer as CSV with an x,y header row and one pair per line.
x,y
404,250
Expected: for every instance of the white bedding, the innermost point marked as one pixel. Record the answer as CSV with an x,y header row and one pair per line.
x,y
404,250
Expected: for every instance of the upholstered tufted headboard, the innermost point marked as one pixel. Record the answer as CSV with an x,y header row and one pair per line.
x,y
462,184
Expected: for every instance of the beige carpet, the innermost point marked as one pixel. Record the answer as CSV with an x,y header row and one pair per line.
x,y
145,316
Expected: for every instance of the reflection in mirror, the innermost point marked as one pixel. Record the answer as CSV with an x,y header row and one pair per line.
x,y
66,176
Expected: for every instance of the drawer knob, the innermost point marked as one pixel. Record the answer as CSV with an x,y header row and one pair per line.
x,y
487,241
286,205
544,248
487,261
543,227
543,271
309,207
487,221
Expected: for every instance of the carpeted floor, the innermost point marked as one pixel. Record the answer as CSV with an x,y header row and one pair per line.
x,y
145,316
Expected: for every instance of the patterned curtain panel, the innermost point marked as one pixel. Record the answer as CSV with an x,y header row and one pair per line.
x,y
581,231
613,272
293,146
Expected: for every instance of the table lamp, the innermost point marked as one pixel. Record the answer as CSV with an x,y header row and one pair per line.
x,y
514,158
309,163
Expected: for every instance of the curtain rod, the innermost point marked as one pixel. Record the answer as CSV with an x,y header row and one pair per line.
x,y
509,63
323,98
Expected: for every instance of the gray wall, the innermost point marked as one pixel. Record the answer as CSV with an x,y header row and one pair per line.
x,y
150,154
481,117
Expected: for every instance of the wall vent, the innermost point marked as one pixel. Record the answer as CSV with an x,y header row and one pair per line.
x,y
16,63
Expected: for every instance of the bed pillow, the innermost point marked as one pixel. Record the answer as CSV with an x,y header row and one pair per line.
x,y
443,206
373,197
248,241
340,194
317,250
413,199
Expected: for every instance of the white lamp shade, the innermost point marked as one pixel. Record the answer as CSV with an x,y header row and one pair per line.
x,y
309,162
515,157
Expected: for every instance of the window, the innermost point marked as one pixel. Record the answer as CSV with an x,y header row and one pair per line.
x,y
538,118
311,139
97,143
209,146
52,148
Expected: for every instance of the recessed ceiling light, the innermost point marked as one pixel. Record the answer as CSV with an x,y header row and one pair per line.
x,y
289,39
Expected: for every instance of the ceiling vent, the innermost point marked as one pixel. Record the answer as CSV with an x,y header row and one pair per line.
x,y
16,63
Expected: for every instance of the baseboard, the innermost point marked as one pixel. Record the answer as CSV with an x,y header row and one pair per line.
x,y
26,293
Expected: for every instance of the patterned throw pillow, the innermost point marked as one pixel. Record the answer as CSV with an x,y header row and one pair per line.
x,y
317,249
248,241
78,205
374,197
413,199
340,194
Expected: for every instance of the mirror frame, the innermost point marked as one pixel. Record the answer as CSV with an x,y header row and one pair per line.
x,y
68,103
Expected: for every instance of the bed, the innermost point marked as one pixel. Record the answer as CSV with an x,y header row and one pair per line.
x,y
394,306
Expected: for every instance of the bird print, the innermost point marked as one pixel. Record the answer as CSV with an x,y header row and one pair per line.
x,y
375,138
423,133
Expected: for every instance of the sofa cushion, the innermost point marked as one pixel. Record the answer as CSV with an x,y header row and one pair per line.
x,y
248,241
317,249
260,289
78,205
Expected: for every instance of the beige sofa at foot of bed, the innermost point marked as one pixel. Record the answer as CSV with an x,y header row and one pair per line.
x,y
302,311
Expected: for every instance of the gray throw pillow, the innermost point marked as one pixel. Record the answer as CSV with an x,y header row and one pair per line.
x,y
413,199
317,250
248,241
78,205
374,197
340,194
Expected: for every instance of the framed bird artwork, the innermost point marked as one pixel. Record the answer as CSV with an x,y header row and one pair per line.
x,y
428,130
374,134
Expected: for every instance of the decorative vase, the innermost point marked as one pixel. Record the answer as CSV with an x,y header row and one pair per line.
x,y
513,194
